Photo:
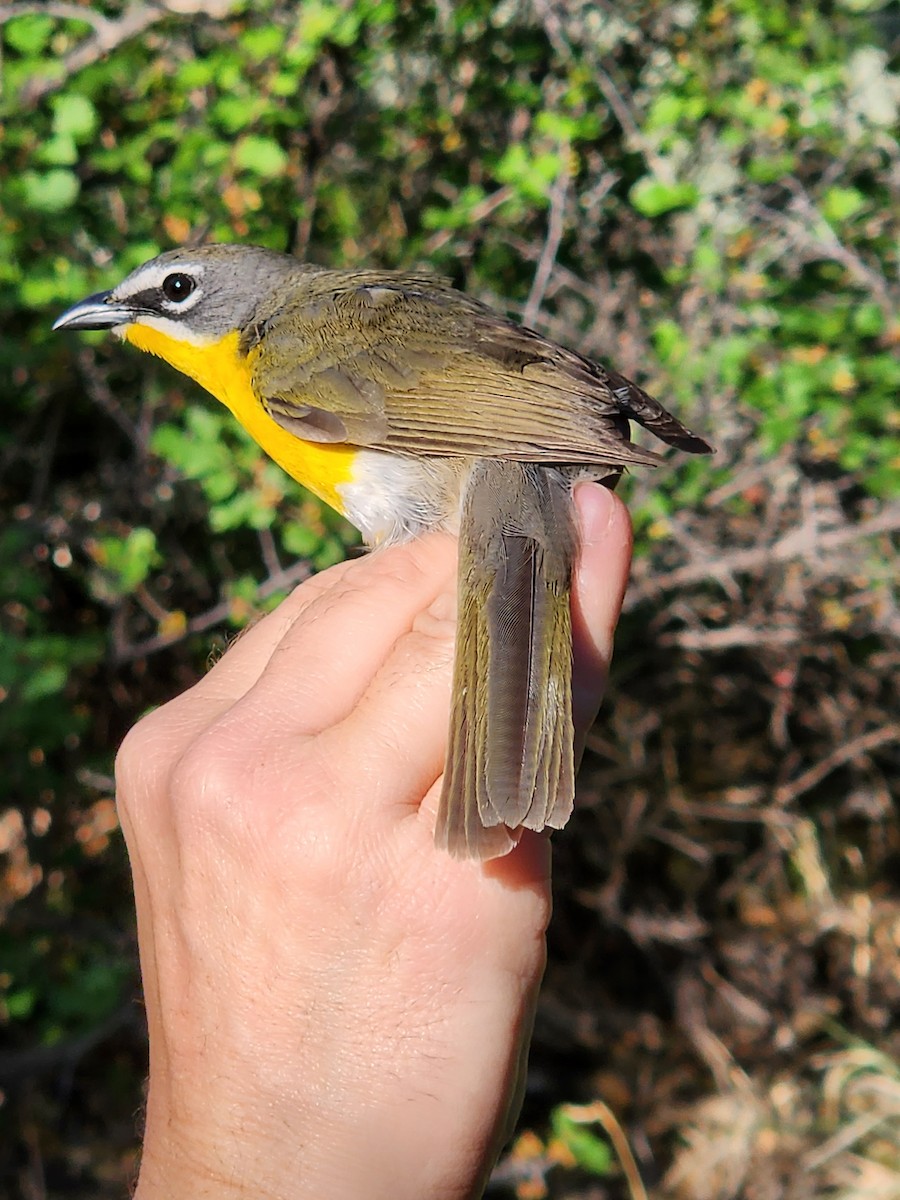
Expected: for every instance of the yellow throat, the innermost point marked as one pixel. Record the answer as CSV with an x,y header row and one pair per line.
x,y
220,367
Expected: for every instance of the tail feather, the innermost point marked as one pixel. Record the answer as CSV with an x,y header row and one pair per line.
x,y
510,758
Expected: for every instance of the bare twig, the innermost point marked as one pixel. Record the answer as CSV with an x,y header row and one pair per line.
x,y
58,12
691,1013
804,543
104,397
269,552
124,651
479,212
845,753
109,33
601,1114
808,230
556,35
555,225
727,638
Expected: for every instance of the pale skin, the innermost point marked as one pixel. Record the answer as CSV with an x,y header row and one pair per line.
x,y
336,1008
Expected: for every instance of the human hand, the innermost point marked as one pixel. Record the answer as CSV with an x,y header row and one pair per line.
x,y
336,1008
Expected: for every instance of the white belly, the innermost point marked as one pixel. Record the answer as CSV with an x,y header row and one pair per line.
x,y
392,498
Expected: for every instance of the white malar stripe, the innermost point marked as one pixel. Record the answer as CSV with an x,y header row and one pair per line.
x,y
171,328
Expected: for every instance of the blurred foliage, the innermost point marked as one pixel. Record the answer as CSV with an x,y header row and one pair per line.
x,y
704,193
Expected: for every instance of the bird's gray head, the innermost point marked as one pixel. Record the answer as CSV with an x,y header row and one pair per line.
x,y
193,295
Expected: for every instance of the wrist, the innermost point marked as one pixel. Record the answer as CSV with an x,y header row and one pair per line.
x,y
219,1142
215,1148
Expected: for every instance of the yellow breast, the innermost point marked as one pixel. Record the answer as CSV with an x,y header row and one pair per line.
x,y
222,370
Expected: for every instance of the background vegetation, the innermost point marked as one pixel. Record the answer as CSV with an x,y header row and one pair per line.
x,y
708,195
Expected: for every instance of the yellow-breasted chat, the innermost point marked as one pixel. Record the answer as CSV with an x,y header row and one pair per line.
x,y
409,406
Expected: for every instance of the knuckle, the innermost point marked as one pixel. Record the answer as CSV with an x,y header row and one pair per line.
x,y
434,628
424,652
182,770
211,776
139,766
439,618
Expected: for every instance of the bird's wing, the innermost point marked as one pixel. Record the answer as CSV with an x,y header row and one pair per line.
x,y
406,363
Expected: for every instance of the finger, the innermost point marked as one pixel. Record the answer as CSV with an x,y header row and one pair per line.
x,y
161,736
384,747
326,661
297,667
246,657
400,721
601,577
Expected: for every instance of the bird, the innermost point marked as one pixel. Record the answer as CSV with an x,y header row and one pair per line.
x,y
409,406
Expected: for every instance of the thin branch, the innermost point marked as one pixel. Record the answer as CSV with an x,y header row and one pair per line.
x,y
601,1114
109,33
124,651
729,637
269,551
618,105
58,12
855,748
808,230
662,167
803,543
691,1016
103,396
479,212
555,226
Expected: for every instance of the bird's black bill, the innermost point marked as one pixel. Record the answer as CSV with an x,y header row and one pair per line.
x,y
96,312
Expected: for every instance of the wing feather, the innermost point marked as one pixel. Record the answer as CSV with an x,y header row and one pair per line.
x,y
406,363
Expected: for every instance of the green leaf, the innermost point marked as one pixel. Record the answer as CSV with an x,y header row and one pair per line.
x,y
530,174
841,203
264,42
234,113
671,342
50,192
299,540
708,262
46,680
20,1004
74,116
665,112
126,562
57,151
868,320
651,197
243,508
195,73
591,1152
770,167
263,156
29,34
564,127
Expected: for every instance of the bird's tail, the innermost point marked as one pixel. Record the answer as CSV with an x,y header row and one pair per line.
x,y
510,757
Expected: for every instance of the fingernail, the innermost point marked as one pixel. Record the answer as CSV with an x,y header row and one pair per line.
x,y
596,507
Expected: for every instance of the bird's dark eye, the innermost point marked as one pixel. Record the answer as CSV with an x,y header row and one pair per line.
x,y
178,286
